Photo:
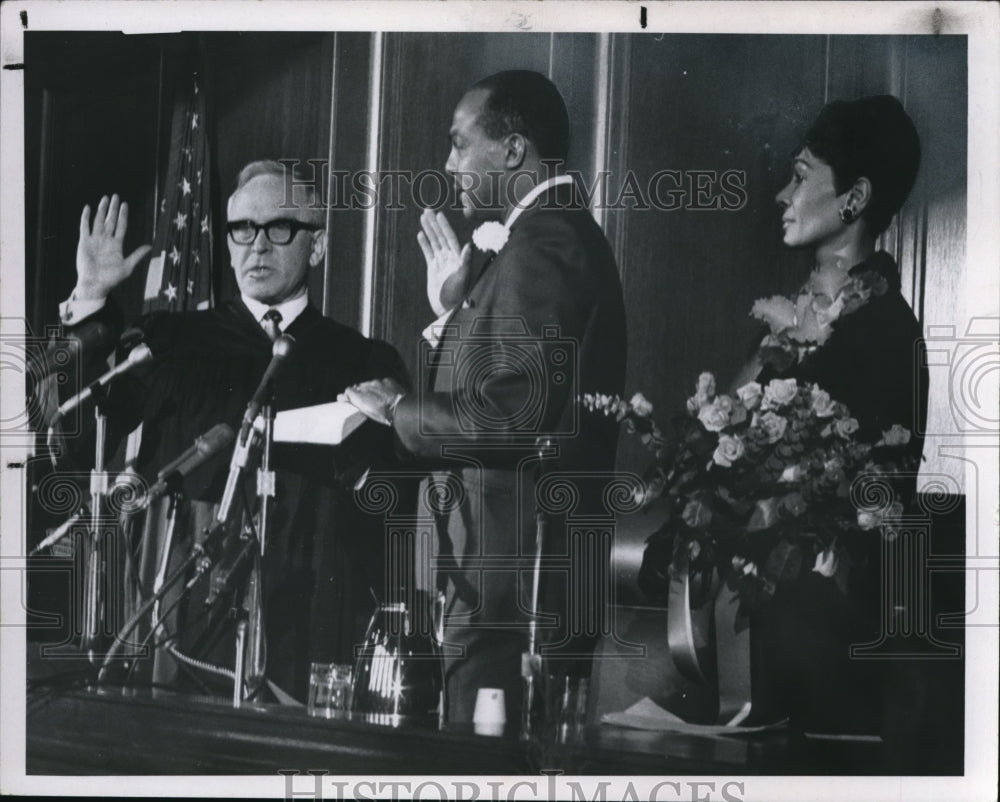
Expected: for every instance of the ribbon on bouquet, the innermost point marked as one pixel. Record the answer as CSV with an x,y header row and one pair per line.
x,y
697,633
689,629
732,644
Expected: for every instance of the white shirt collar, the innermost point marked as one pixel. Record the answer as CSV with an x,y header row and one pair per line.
x,y
533,193
289,310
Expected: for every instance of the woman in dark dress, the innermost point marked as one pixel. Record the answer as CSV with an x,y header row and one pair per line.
x,y
855,336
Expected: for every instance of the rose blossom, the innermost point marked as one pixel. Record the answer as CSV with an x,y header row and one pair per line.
x,y
703,393
714,417
822,404
706,385
641,405
778,393
896,436
773,426
724,403
728,450
845,427
793,473
834,469
750,394
869,519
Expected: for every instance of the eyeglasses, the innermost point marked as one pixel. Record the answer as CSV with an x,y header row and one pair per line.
x,y
278,232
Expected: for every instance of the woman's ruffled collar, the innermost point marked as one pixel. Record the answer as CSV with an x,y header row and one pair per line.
x,y
800,325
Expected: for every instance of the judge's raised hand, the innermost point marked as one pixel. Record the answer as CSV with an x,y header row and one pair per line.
x,y
447,261
100,263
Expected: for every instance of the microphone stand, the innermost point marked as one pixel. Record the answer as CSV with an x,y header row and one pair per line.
x,y
531,660
255,663
93,610
168,540
201,557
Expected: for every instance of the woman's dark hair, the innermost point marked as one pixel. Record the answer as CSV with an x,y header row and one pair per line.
x,y
874,138
527,103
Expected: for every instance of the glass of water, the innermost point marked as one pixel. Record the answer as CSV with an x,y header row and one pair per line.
x,y
329,689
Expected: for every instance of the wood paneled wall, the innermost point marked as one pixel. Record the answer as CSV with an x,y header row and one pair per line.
x,y
639,104
91,121
270,98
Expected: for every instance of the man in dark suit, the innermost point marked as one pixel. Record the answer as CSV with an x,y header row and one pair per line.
x,y
322,568
540,321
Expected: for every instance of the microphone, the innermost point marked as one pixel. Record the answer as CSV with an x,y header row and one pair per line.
x,y
205,447
132,337
282,349
61,353
137,356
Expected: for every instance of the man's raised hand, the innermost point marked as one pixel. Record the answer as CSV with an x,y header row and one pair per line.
x,y
100,263
447,261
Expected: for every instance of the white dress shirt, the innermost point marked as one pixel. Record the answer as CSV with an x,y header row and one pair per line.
x,y
72,310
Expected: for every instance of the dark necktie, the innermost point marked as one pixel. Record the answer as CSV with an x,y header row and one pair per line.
x,y
271,320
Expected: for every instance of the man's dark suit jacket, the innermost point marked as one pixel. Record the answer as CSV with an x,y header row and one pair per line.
x,y
543,323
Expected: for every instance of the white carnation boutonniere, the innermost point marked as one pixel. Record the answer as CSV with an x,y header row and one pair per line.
x,y
490,237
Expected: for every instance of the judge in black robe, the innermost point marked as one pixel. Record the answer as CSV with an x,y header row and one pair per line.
x,y
323,567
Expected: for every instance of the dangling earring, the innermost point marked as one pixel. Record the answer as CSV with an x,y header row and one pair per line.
x,y
847,214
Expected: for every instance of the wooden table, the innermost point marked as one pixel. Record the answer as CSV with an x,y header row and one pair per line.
x,y
112,731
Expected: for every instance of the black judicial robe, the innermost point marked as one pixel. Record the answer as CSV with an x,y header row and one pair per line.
x,y
323,567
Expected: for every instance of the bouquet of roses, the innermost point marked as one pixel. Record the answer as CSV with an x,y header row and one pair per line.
x,y
764,484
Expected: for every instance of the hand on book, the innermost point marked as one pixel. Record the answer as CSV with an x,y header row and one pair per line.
x,y
375,398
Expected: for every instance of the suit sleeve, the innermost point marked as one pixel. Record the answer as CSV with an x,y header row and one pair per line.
x,y
505,388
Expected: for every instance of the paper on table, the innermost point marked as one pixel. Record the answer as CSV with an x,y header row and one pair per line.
x,y
324,424
647,715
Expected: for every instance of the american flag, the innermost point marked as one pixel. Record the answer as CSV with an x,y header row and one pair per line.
x,y
180,274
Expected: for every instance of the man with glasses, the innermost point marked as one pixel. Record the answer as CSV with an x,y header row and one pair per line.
x,y
323,567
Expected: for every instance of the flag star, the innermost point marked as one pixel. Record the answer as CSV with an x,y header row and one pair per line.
x,y
171,291
196,258
199,178
204,224
194,121
185,186
175,255
163,206
190,286
180,221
